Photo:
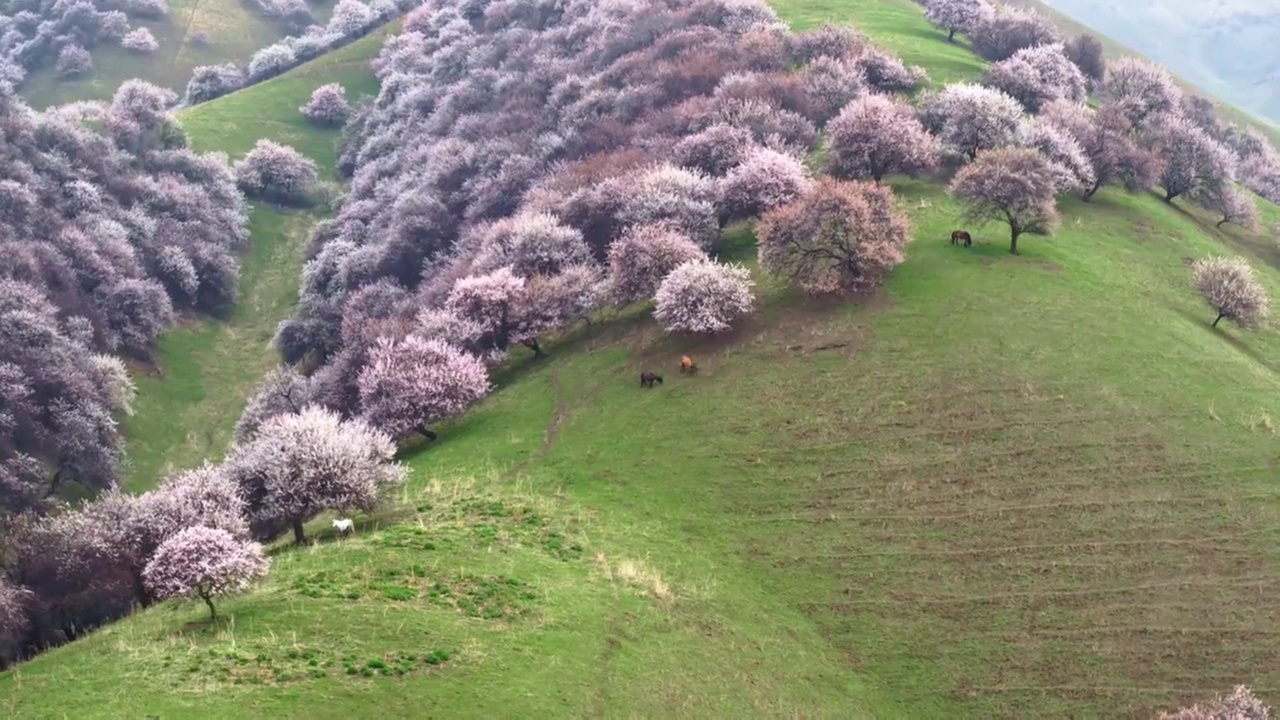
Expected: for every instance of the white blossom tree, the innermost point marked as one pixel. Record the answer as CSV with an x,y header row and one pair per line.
x,y
704,297
413,383
276,172
764,180
140,41
1228,285
301,464
1037,75
1241,704
1141,88
327,106
968,119
1193,161
204,563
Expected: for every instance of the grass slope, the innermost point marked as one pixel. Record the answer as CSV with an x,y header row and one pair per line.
x,y
1034,486
185,412
234,32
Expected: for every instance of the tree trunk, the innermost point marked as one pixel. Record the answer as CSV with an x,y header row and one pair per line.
x,y
213,612
140,591
951,36
1013,242
299,534
426,433
1217,319
1221,222
1169,195
533,345
1088,194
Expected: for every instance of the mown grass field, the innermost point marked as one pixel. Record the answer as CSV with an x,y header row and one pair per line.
x,y
1032,486
206,369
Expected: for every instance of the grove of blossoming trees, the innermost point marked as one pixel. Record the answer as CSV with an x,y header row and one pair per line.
x,y
516,147
108,224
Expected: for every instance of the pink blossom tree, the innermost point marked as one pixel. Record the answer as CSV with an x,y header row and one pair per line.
x,y
1141,88
283,391
302,464
140,41
493,303
1037,75
875,136
1106,137
1233,205
1086,52
764,180
1010,185
276,172
957,15
1010,29
1071,167
530,244
704,297
886,72
643,256
830,84
666,193
1228,285
327,106
1241,704
204,563
968,119
1193,161
413,383
715,150
842,236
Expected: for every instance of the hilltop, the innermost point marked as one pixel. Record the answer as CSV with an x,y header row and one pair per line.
x,y
1005,485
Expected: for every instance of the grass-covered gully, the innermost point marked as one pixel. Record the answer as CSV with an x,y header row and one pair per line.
x,y
911,478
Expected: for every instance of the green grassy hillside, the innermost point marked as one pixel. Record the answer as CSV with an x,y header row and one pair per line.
x,y
231,30
1032,486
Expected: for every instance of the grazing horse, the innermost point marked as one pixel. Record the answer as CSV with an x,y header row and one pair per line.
x,y
647,379
958,235
687,365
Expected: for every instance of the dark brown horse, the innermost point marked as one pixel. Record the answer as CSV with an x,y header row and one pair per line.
x,y
958,235
647,379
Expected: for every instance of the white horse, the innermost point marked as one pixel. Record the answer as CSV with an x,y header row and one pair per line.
x,y
344,526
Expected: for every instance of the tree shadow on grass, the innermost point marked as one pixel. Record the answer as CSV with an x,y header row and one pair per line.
x,y
1205,323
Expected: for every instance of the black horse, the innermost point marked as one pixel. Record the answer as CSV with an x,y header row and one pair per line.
x,y
958,235
647,379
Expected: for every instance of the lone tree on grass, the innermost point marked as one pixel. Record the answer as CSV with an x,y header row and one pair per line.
x,y
1229,286
957,15
411,384
204,563
1193,161
842,236
874,136
300,465
276,172
1012,185
702,296
328,105
140,41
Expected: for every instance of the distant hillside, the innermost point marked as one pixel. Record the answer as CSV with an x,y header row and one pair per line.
x,y
1226,47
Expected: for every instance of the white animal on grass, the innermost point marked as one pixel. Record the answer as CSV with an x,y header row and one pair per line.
x,y
343,526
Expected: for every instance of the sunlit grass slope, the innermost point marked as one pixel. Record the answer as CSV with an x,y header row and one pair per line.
x,y
1032,486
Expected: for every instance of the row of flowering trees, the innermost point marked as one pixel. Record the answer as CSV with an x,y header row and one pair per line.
x,y
196,535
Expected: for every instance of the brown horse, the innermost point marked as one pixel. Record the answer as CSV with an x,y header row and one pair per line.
x,y
958,235
688,366
647,379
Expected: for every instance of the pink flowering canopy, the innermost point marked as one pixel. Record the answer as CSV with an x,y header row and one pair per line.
x,y
704,297
413,383
1228,285
204,563
967,119
1193,161
644,256
875,136
842,236
957,15
1037,75
764,180
1142,88
1012,185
